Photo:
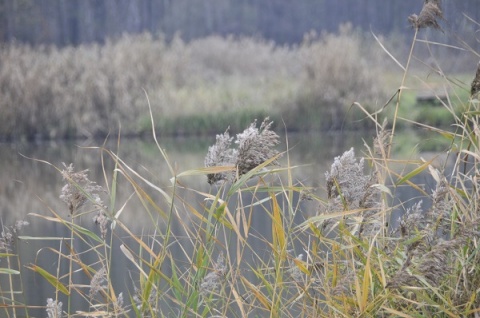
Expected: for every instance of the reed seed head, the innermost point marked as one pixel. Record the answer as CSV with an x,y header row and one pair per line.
x,y
255,146
347,179
118,304
349,187
431,11
101,219
438,3
221,154
381,143
213,280
9,233
54,308
476,83
98,282
78,189
6,240
412,221
152,302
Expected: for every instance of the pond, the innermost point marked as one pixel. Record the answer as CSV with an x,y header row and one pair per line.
x,y
30,190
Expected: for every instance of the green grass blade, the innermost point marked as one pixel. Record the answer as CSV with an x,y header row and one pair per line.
x,y
9,271
50,278
414,172
88,233
175,283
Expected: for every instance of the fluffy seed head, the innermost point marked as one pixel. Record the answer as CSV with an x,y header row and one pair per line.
x,y
78,189
254,147
427,18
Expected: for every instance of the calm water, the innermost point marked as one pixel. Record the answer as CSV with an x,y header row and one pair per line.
x,y
28,186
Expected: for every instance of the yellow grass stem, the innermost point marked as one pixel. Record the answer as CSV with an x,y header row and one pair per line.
x,y
401,88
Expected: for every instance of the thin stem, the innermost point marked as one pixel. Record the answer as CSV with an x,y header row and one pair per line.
x,y
12,296
70,268
400,90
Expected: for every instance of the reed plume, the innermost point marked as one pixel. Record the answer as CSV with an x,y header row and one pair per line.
x,y
78,189
431,11
213,280
54,308
9,234
255,146
476,83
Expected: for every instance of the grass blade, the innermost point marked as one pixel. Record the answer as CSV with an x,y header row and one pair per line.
x,y
414,172
50,278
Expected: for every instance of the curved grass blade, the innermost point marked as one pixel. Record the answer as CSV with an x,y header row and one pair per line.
x,y
414,172
258,294
255,171
203,171
73,226
50,278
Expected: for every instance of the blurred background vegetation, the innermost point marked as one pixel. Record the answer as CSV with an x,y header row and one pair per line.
x,y
74,22
82,68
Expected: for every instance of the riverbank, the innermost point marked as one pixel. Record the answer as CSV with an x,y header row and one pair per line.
x,y
203,86
198,87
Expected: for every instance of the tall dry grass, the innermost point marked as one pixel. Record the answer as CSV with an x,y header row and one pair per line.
x,y
47,92
338,70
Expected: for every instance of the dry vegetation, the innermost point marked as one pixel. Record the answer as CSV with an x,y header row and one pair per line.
x,y
350,259
195,87
337,71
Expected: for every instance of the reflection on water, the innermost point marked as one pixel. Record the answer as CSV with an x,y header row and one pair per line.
x,y
31,186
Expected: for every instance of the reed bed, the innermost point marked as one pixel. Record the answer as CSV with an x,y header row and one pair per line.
x,y
352,258
88,90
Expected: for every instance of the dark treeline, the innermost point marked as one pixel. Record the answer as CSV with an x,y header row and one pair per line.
x,y
71,22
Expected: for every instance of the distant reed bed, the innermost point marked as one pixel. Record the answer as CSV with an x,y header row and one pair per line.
x,y
84,91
